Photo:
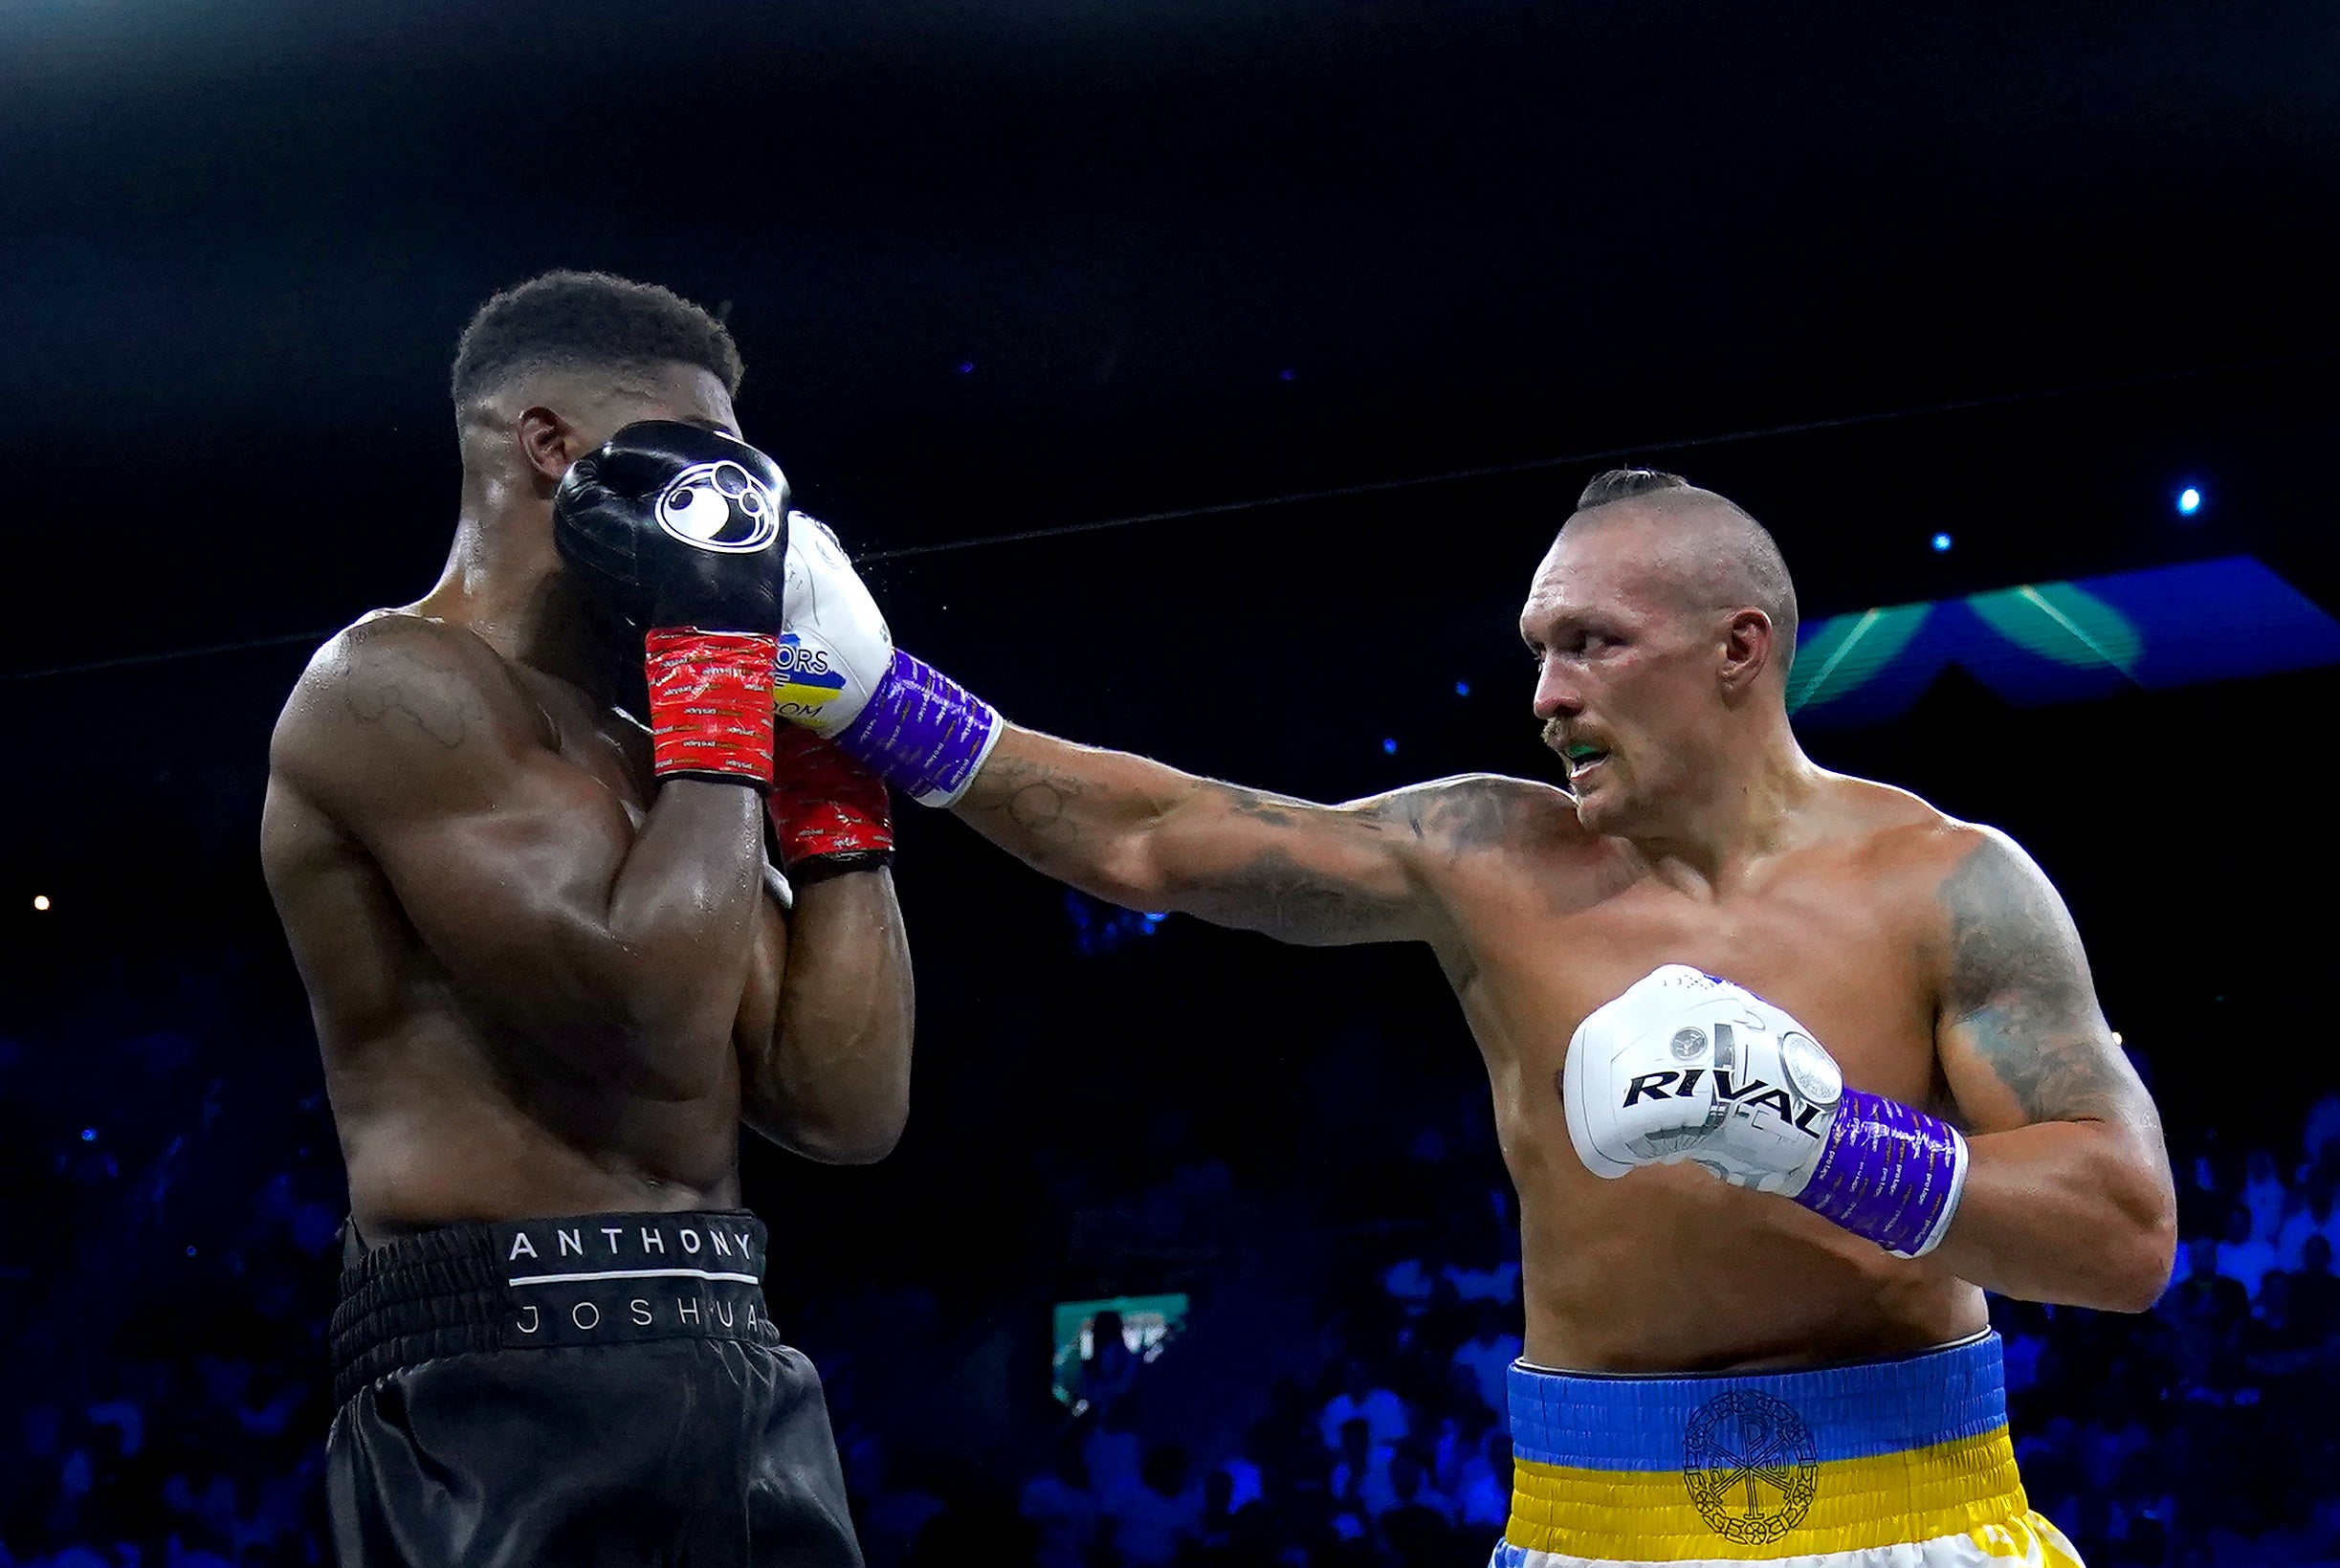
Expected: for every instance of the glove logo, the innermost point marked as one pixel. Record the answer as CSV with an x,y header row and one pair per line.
x,y
803,679
1751,1466
720,506
1812,1070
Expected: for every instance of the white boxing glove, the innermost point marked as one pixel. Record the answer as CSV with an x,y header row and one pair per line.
x,y
834,647
838,674
1685,1067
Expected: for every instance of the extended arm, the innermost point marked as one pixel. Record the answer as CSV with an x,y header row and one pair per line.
x,y
1146,837
1124,828
2068,1196
555,919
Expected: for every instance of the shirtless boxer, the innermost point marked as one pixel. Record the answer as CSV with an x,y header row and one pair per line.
x,y
552,974
1753,1267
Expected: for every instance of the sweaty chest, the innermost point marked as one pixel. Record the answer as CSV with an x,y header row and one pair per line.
x,y
599,743
1846,959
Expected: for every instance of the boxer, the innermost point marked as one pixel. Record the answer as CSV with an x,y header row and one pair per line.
x,y
1789,1067
517,831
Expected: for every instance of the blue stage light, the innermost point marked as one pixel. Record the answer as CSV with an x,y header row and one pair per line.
x,y
2189,502
966,367
1389,748
1462,688
89,1135
1941,543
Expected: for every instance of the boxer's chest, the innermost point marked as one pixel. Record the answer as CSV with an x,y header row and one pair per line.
x,y
599,743
1846,957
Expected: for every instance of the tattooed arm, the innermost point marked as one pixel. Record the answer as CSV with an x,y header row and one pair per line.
x,y
557,923
1146,837
2068,1197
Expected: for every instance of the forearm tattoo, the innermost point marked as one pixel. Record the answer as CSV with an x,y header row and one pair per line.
x,y
1033,798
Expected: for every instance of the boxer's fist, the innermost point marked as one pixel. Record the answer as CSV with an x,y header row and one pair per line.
x,y
668,524
1685,1067
838,674
834,647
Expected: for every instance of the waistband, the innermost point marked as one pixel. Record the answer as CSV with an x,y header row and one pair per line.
x,y
1749,1466
586,1279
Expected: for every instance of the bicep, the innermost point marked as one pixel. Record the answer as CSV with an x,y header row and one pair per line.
x,y
1301,872
2021,1037
1388,868
498,892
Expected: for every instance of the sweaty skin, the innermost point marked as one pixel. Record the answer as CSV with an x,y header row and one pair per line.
x,y
1931,958
544,983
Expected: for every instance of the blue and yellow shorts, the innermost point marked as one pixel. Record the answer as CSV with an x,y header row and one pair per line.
x,y
1904,1462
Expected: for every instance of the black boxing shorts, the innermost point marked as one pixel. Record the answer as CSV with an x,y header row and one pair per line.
x,y
586,1392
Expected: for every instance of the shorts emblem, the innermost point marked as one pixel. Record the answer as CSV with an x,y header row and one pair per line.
x,y
1751,1466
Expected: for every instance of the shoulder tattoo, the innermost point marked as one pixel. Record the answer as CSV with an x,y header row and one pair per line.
x,y
2018,983
406,680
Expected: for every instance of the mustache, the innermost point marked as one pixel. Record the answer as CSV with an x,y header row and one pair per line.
x,y
1560,736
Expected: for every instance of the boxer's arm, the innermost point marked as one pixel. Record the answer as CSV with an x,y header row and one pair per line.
x,y
554,919
1137,833
825,1033
2068,1196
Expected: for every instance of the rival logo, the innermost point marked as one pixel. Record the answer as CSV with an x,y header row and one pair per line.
x,y
1756,1092
720,506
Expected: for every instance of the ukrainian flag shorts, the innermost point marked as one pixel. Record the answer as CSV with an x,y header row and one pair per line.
x,y
1898,1464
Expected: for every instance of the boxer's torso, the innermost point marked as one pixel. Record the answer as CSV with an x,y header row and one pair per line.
x,y
1668,1269
446,1114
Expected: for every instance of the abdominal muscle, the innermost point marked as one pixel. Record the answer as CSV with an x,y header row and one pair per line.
x,y
1671,1270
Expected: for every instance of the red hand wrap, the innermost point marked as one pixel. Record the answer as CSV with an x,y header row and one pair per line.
x,y
823,803
711,703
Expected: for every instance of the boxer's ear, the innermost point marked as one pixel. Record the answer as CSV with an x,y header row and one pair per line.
x,y
1749,645
548,443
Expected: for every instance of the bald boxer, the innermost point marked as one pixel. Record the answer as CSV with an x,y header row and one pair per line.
x,y
518,833
1789,1067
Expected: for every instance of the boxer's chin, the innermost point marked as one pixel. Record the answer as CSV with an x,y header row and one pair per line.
x,y
1602,806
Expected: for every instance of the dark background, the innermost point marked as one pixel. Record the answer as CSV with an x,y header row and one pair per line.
x,y
2017,273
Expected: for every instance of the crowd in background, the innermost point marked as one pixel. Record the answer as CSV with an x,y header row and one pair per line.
x,y
1335,1399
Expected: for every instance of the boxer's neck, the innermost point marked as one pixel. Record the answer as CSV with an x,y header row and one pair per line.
x,y
503,581
1751,807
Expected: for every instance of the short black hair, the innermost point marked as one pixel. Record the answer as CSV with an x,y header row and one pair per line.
x,y
1619,484
595,319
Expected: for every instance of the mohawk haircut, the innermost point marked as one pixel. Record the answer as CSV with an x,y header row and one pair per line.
x,y
1742,561
591,321
1619,484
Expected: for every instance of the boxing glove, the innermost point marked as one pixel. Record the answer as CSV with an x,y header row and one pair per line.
x,y
678,533
1687,1066
840,676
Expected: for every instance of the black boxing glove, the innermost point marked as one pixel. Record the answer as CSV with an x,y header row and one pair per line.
x,y
679,533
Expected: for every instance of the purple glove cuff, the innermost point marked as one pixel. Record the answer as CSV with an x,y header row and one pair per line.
x,y
1889,1173
922,732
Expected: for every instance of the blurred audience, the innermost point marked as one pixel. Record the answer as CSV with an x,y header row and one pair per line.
x,y
169,1264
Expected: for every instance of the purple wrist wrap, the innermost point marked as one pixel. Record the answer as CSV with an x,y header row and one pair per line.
x,y
1889,1173
922,732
